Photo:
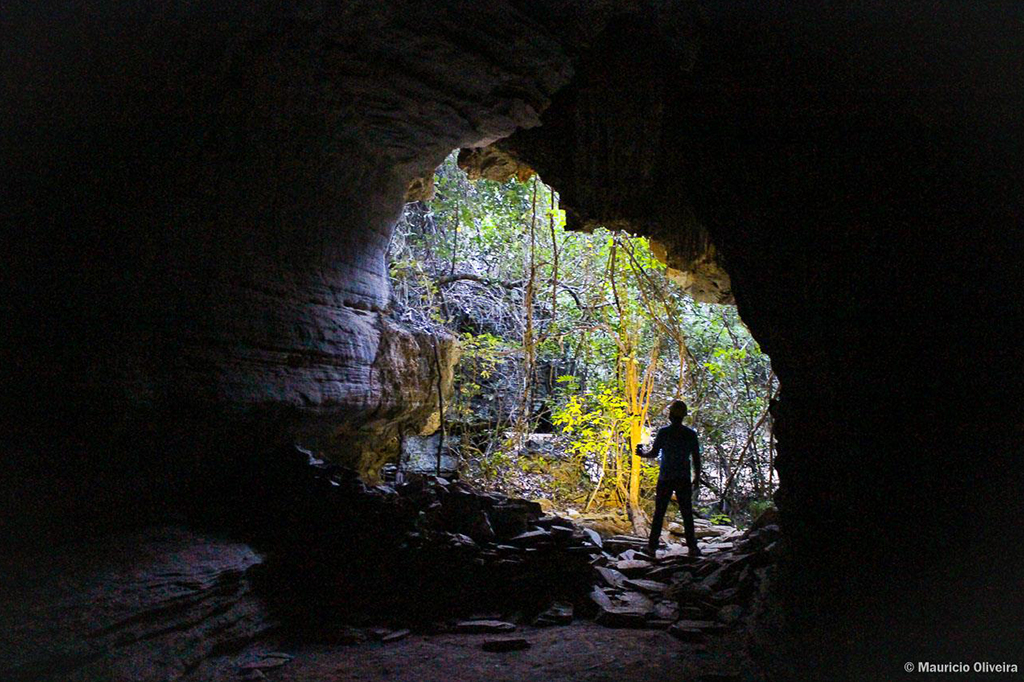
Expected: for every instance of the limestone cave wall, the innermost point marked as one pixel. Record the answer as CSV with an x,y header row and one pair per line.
x,y
197,208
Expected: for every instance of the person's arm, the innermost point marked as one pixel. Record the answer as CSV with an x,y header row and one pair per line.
x,y
696,465
653,452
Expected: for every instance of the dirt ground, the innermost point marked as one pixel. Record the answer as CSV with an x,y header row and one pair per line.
x,y
582,651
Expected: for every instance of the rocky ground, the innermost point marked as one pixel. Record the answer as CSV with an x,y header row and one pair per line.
x,y
425,580
582,651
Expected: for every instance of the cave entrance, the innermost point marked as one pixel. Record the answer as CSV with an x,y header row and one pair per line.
x,y
566,338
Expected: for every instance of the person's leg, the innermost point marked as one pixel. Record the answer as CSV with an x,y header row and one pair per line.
x,y
662,497
684,496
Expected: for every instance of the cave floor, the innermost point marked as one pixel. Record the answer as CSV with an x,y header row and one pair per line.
x,y
170,603
581,651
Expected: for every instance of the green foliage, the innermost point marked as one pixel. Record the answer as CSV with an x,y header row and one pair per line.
x,y
758,507
479,358
720,520
465,262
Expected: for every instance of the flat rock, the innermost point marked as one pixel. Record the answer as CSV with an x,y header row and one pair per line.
x,y
472,627
562,532
507,520
267,661
610,576
531,538
620,617
601,598
461,541
635,601
659,623
620,543
594,536
546,521
662,573
681,558
633,567
685,634
508,549
647,586
708,626
504,644
581,548
395,636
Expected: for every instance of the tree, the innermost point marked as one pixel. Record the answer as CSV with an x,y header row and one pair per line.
x,y
583,334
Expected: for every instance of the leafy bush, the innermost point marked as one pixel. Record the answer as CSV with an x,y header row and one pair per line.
x,y
758,507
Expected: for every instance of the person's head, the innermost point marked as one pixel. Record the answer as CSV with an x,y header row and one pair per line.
x,y
677,412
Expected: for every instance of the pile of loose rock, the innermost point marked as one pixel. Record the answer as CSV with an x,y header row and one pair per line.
x,y
431,550
690,596
427,549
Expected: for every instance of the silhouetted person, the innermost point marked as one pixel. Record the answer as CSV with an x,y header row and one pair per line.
x,y
676,444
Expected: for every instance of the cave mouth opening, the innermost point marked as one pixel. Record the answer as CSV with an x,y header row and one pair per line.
x,y
552,326
505,493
